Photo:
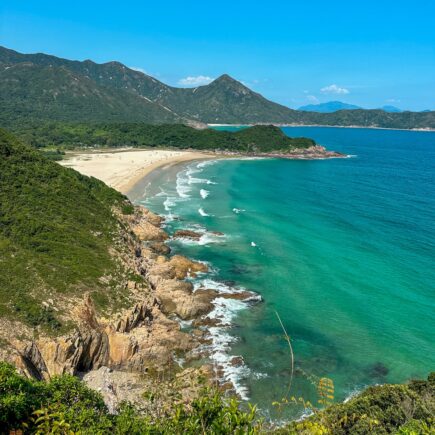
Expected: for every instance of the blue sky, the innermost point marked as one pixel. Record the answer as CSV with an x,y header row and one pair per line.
x,y
369,53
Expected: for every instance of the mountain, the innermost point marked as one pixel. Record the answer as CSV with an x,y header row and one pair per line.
x,y
329,107
47,87
44,87
391,109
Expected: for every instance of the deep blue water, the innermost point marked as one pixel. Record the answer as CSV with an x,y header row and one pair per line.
x,y
342,249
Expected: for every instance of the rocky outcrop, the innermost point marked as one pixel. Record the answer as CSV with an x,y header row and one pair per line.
x,y
144,337
188,234
119,386
159,248
137,340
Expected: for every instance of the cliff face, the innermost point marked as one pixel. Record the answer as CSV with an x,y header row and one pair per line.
x,y
137,339
87,283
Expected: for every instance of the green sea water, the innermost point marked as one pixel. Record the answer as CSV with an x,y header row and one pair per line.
x,y
342,249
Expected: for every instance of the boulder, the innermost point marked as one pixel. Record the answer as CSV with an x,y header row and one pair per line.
x,y
187,234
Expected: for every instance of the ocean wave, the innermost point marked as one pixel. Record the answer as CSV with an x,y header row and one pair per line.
x,y
228,368
206,238
182,186
168,203
161,193
238,210
202,212
206,163
204,193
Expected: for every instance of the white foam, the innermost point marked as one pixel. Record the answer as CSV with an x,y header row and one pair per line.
x,y
219,351
182,186
202,212
204,193
161,193
206,163
168,203
205,239
238,210
253,244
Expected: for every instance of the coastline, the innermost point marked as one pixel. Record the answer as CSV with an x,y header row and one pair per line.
x,y
123,169
428,130
211,303
126,168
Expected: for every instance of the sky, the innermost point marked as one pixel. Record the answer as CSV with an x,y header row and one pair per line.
x,y
369,53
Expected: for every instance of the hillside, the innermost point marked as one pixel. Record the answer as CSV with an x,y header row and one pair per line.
x,y
43,87
46,87
56,230
261,138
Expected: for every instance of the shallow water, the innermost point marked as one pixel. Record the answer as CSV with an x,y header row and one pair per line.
x,y
343,250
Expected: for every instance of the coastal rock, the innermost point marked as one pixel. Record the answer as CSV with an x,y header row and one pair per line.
x,y
160,248
187,234
178,267
185,267
118,386
177,297
146,231
144,337
151,217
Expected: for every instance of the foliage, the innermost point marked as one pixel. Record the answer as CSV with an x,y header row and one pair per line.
x,y
56,228
55,155
65,405
378,410
261,139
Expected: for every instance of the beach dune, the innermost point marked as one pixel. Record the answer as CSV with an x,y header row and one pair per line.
x,y
122,169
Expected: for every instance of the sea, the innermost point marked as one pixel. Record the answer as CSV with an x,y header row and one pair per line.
x,y
342,251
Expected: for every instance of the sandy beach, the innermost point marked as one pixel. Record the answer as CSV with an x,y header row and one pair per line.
x,y
122,169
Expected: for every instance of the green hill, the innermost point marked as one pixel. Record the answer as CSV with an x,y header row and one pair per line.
x,y
43,87
261,138
56,231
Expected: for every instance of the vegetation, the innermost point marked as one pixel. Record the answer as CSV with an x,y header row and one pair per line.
x,y
41,87
56,228
64,405
262,139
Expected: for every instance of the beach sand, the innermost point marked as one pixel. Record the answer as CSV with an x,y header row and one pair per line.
x,y
122,169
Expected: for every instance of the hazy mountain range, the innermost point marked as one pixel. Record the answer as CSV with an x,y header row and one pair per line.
x,y
335,106
43,87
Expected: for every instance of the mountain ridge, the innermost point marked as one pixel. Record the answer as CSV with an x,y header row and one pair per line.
x,y
45,87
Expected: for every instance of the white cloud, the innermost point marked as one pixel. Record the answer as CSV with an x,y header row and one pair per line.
x,y
334,89
195,80
393,100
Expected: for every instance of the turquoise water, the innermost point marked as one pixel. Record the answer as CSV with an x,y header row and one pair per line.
x,y
343,250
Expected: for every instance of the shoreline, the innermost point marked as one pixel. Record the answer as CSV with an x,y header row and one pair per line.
x,y
427,130
127,168
123,169
208,295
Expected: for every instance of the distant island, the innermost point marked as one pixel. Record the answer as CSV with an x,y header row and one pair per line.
x,y
335,106
329,107
40,87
